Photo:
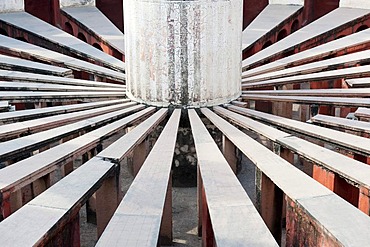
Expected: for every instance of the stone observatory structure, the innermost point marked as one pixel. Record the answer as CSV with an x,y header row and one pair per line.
x,y
183,53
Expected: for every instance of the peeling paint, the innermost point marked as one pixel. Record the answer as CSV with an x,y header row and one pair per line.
x,y
183,53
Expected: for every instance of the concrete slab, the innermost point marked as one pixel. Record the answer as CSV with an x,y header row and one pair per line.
x,y
267,131
23,49
344,140
93,19
14,130
146,195
30,142
316,53
294,183
350,227
353,170
66,196
362,57
359,82
363,112
352,72
15,116
57,36
4,105
228,204
269,18
342,123
41,216
31,96
137,134
328,210
28,217
334,19
333,92
18,64
30,86
307,100
31,77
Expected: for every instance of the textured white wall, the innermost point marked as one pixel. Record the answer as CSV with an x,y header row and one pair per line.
x,y
360,4
293,2
11,5
76,3
183,52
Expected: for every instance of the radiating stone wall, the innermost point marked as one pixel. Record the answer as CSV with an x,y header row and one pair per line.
x,y
183,53
76,3
11,5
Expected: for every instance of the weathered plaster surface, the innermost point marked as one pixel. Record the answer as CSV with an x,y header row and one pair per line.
x,y
289,2
360,4
76,3
11,5
184,53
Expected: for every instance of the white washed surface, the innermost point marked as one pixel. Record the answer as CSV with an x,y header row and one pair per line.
x,y
183,53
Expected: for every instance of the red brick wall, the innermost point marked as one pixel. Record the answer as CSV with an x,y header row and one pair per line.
x,y
79,30
314,9
113,9
46,10
251,9
273,36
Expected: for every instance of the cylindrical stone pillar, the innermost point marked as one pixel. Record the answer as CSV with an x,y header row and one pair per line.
x,y
183,53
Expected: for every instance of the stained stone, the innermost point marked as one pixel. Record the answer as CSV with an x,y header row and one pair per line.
x,y
183,53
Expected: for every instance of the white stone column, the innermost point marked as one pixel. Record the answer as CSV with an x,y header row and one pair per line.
x,y
76,3
183,53
287,2
360,4
11,5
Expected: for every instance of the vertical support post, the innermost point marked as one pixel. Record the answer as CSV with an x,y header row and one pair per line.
x,y
364,200
91,203
287,155
55,176
27,194
165,233
362,158
5,205
69,235
107,200
67,168
16,201
347,191
75,232
44,148
139,156
207,231
229,151
91,209
263,106
300,233
307,167
283,153
304,113
326,110
39,185
324,177
199,201
271,206
91,153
